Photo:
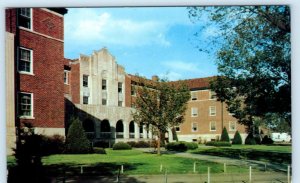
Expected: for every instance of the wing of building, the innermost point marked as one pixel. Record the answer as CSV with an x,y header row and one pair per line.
x,y
45,89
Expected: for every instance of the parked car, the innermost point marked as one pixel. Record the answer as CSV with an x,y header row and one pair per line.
x,y
281,137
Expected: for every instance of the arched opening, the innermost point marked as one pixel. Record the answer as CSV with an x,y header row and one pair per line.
x,y
131,129
105,129
119,129
89,128
141,130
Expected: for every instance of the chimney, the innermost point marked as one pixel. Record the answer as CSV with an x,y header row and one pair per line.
x,y
155,78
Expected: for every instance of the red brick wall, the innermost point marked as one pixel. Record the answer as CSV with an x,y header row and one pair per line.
x,y
46,83
10,20
75,83
127,91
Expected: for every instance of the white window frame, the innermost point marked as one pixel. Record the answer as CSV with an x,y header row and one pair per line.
x,y
212,110
66,75
211,125
104,99
194,95
229,125
31,17
120,103
104,85
31,116
120,89
83,100
212,95
194,112
30,61
194,125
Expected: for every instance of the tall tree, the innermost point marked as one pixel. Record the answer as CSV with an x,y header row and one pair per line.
x,y
253,54
160,104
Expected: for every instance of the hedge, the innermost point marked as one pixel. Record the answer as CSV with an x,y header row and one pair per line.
x,y
121,146
218,144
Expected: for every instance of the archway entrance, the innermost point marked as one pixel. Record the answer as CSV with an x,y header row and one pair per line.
x,y
105,132
119,130
89,128
131,129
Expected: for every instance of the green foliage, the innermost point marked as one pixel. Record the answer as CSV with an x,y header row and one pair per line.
x,y
218,143
99,150
53,144
225,136
103,144
191,145
253,57
121,146
267,140
250,139
176,146
77,142
237,139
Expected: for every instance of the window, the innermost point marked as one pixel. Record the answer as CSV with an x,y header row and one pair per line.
x,y
213,126
212,95
66,77
104,101
24,18
103,84
133,90
194,127
212,110
85,100
25,105
85,80
232,126
120,87
25,60
194,112
177,128
120,103
194,95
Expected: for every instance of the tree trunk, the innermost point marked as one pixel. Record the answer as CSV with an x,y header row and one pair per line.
x,y
158,142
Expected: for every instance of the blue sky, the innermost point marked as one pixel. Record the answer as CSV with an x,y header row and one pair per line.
x,y
145,40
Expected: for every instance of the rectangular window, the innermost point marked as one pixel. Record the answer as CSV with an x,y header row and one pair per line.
x,y
194,95
213,126
232,126
212,95
133,90
177,128
25,105
85,80
212,110
120,103
120,85
104,84
66,77
24,18
194,112
25,60
104,101
194,127
85,100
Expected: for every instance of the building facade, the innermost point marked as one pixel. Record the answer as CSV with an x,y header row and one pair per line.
x,y
34,63
47,90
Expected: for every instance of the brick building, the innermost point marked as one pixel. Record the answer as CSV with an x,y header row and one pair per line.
x,y
34,70
46,90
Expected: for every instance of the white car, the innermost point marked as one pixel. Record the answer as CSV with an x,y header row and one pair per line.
x,y
281,137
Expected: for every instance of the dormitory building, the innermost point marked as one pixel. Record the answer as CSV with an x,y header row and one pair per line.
x,y
45,89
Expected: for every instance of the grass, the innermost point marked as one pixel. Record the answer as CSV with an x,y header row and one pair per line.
x,y
135,162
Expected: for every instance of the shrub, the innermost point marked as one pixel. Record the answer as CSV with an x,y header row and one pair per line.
x,y
121,146
237,139
218,144
103,144
77,142
142,144
257,139
99,150
191,145
267,140
250,140
53,144
177,146
225,136
132,143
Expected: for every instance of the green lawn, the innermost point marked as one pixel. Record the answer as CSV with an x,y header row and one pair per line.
x,y
133,161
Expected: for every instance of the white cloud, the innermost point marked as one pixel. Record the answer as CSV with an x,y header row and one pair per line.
x,y
171,76
89,25
210,31
182,66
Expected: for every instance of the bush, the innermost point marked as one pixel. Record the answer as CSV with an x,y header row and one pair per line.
x,y
225,136
267,140
99,150
257,139
177,146
237,139
218,144
132,143
102,144
142,144
250,140
77,142
191,145
53,144
121,146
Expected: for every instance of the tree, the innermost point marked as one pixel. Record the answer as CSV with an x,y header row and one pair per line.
x,y
76,141
160,105
224,135
237,139
253,55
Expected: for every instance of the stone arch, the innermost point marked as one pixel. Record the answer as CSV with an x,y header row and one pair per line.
x,y
120,129
131,129
105,131
88,125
